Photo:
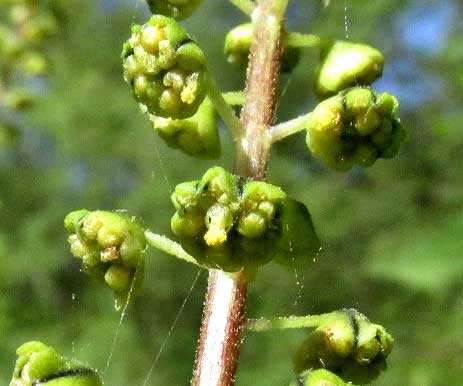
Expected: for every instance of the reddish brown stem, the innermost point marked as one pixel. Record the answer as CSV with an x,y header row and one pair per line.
x,y
224,311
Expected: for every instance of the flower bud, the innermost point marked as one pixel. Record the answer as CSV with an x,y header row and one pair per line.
x,y
39,364
355,127
178,9
165,68
238,44
319,377
197,136
345,64
347,344
111,245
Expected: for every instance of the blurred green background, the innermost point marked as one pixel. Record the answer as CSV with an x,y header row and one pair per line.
x,y
392,234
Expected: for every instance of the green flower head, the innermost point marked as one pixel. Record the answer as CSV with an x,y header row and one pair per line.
x,y
229,222
197,136
345,64
355,127
348,345
238,44
165,68
110,245
39,364
178,9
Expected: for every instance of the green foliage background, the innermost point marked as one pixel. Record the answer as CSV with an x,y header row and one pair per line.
x,y
392,234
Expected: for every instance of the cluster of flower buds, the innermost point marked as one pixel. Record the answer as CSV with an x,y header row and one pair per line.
x,y
197,136
355,127
39,364
111,246
320,377
165,68
228,222
238,43
345,64
178,9
347,344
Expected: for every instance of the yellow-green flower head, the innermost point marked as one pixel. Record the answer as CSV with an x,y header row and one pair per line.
x,y
319,377
355,127
349,345
39,364
111,246
197,136
178,9
165,68
238,43
228,222
345,64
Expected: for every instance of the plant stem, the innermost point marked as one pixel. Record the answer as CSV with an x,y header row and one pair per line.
x,y
224,109
284,323
169,246
296,39
246,6
285,129
234,98
224,312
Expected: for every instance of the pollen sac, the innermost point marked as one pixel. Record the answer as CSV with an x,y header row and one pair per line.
x,y
165,68
345,64
197,136
355,127
230,223
319,377
349,345
39,364
238,43
178,9
111,246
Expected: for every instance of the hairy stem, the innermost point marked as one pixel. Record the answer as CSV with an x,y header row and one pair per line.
x,y
283,323
224,312
285,129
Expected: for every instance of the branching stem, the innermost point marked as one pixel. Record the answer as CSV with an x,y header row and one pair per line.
x,y
224,109
224,311
169,246
283,323
296,39
285,129
234,98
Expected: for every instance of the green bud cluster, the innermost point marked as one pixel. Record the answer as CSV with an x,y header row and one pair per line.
x,y
355,127
228,222
320,377
349,345
345,64
238,44
39,364
178,9
165,68
197,136
111,246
